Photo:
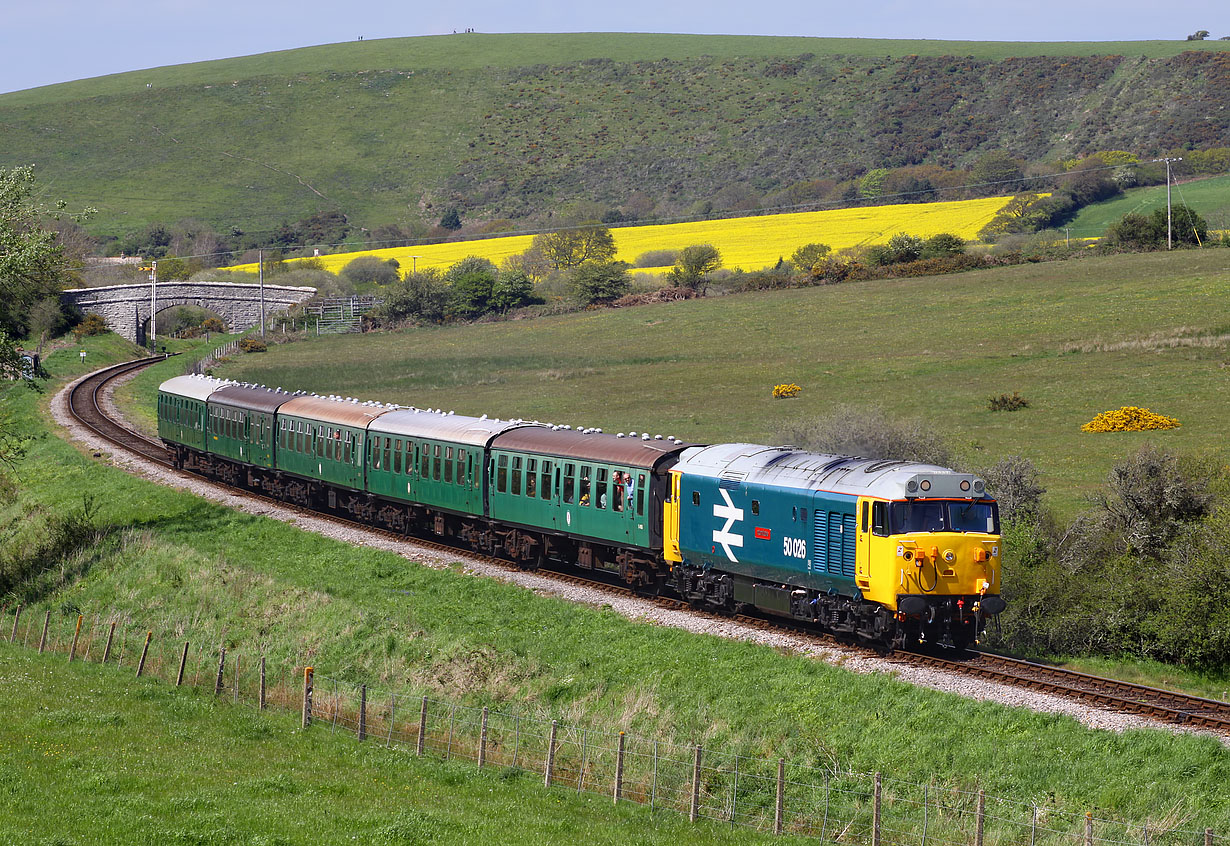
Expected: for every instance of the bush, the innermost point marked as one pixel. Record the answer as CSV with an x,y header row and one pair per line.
x,y
420,296
693,264
943,244
600,282
252,345
901,248
656,258
870,433
807,256
1004,402
92,325
369,269
1013,481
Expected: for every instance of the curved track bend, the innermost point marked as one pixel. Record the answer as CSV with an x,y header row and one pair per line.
x,y
1110,694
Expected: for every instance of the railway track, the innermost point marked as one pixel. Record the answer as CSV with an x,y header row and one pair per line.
x,y
1110,694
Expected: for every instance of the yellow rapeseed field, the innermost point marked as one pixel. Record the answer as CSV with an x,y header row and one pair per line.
x,y
749,243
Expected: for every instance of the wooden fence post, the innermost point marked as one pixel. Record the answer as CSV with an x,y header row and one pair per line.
x,y
261,695
982,813
619,769
418,748
238,660
694,805
42,641
362,712
144,652
307,696
221,669
1208,837
392,719
72,650
482,740
16,619
1088,828
183,661
780,808
875,814
550,754
110,637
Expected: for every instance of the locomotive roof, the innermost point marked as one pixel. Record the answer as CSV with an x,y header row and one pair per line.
x,y
251,397
843,474
589,445
193,386
425,423
333,410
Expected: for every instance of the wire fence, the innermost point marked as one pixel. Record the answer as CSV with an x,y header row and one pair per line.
x,y
725,788
202,364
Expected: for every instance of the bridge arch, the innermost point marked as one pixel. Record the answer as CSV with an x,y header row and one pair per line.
x,y
127,308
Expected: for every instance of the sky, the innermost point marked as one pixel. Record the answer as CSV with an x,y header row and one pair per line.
x,y
48,41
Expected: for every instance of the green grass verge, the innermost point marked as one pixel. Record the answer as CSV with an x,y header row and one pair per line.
x,y
171,559
93,756
1209,197
1074,338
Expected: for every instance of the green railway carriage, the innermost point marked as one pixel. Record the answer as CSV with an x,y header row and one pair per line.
x,y
431,459
324,439
241,422
585,484
182,420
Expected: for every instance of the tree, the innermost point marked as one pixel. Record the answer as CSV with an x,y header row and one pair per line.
x,y
572,247
943,244
806,256
472,281
693,264
900,248
600,282
1187,226
32,261
451,220
512,289
997,172
1198,35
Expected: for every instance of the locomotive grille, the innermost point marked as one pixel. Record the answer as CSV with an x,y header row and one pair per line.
x,y
835,543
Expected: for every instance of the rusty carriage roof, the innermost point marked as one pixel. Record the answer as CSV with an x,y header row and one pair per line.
x,y
590,445
342,412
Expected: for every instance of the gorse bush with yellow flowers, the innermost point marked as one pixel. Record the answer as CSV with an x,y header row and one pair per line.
x,y
1129,418
787,391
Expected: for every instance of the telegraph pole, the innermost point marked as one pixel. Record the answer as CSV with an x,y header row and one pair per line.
x,y
261,264
1169,239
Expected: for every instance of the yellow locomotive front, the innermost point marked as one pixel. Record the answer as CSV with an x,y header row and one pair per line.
x,y
934,555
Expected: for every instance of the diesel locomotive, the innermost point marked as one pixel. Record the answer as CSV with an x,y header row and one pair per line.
x,y
892,552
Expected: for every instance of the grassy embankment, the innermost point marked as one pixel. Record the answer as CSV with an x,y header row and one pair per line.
x,y
1075,338
170,559
1209,197
94,756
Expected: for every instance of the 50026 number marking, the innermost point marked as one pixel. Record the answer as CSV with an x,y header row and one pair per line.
x,y
794,547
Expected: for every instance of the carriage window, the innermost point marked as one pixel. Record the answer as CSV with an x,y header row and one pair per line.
x,y
425,464
600,488
397,456
501,474
435,466
583,493
388,457
569,481
640,494
448,465
461,466
617,495
516,475
545,485
531,477
346,450
470,468
376,452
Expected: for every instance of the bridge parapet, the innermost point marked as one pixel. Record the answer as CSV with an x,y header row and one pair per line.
x,y
126,308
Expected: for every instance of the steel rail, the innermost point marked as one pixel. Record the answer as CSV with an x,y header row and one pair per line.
x,y
1111,694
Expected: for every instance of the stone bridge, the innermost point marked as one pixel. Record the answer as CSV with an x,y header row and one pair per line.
x,y
127,308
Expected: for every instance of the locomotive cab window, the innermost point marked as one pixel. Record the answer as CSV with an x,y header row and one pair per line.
x,y
879,519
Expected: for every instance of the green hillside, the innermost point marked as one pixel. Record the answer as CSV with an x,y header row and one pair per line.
x,y
1075,338
521,126
1209,197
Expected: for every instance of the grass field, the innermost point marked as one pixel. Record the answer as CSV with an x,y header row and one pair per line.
x,y
169,559
92,755
1209,197
747,243
1075,338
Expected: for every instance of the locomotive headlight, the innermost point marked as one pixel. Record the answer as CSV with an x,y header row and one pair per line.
x,y
950,556
925,484
978,486
965,484
911,486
